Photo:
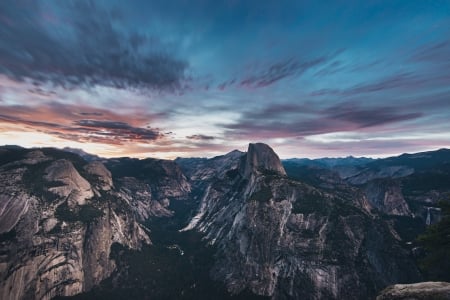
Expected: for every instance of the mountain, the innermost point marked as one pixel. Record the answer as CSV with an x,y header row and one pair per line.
x,y
330,162
243,225
285,239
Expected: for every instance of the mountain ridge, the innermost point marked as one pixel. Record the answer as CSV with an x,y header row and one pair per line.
x,y
272,228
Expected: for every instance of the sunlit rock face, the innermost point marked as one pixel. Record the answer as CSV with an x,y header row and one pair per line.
x,y
288,240
72,185
58,220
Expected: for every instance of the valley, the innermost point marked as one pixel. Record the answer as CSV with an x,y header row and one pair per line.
x,y
244,225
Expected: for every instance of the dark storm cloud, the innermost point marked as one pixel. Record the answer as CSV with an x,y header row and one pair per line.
x,y
290,120
82,46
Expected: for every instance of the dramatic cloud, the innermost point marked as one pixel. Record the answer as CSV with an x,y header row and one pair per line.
x,y
199,78
67,124
84,47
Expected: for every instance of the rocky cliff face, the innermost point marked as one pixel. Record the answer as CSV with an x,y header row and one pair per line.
x,y
288,240
386,195
58,220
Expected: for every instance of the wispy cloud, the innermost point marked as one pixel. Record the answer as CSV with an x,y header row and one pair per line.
x,y
438,52
265,73
294,121
280,70
396,81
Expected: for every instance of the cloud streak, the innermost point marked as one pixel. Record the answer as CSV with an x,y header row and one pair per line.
x,y
280,70
294,121
201,137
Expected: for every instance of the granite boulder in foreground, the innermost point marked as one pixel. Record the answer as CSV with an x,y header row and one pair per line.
x,y
417,291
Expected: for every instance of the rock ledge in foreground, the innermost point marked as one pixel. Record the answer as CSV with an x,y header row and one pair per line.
x,y
417,291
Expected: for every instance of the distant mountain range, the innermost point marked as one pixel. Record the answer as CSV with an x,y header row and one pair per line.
x,y
244,225
330,162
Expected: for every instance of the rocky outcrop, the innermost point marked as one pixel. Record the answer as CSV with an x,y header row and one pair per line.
x,y
417,291
287,240
55,232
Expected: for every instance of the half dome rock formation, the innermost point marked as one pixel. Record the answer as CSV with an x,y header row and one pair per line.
x,y
260,158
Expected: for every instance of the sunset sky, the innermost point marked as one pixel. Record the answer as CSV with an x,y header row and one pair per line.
x,y
201,78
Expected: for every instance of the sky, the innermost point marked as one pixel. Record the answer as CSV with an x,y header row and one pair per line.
x,y
201,78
